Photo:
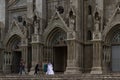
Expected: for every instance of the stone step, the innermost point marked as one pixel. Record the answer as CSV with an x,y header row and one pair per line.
x,y
61,77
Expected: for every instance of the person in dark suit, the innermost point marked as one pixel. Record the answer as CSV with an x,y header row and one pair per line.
x,y
36,69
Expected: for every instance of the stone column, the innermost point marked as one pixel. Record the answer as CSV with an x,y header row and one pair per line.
x,y
41,12
100,5
97,53
73,55
1,60
2,19
30,13
24,48
37,48
104,59
97,38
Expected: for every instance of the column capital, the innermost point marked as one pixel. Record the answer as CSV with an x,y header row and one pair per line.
x,y
36,38
24,42
97,36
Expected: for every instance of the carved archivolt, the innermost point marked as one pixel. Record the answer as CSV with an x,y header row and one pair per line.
x,y
56,22
11,2
112,22
14,29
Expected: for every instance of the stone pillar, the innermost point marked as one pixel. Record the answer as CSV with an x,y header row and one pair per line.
x,y
37,48
73,55
104,59
1,60
30,13
100,5
24,48
2,19
107,59
97,38
41,12
97,54
2,11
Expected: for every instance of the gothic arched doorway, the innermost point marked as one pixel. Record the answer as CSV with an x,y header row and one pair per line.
x,y
112,49
116,52
13,54
56,49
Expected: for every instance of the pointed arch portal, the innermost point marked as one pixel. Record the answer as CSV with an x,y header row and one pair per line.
x,y
112,53
13,54
57,49
116,52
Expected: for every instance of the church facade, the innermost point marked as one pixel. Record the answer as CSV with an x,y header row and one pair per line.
x,y
76,36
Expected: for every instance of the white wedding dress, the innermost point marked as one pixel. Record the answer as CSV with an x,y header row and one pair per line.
x,y
50,69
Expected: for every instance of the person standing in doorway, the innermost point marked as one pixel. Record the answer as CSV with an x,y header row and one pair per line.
x,y
23,68
20,68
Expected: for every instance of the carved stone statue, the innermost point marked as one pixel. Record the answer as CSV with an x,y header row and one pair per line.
x,y
36,22
71,20
36,27
97,21
72,23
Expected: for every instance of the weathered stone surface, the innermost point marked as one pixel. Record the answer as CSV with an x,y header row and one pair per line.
x,y
83,30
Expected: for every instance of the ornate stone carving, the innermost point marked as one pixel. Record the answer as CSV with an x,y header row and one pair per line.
x,y
72,20
60,9
59,38
97,21
71,35
36,38
97,36
24,42
36,22
36,27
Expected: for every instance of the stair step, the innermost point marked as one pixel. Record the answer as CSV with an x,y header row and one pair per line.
x,y
61,77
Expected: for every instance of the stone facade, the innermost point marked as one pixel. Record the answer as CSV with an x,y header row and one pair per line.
x,y
76,36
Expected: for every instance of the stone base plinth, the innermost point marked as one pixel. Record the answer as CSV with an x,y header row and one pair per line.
x,y
72,70
31,71
96,70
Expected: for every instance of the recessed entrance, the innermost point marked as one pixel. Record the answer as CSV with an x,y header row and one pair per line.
x,y
116,58
60,58
16,61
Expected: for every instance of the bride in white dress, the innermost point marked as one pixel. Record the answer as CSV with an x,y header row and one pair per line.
x,y
50,69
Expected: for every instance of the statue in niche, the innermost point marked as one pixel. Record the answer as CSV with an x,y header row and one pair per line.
x,y
36,23
36,27
71,20
97,21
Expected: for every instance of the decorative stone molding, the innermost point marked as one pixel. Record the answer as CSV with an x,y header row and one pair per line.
x,y
14,29
36,38
71,35
15,4
24,42
112,22
56,21
97,36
